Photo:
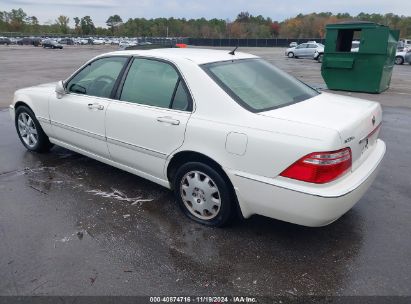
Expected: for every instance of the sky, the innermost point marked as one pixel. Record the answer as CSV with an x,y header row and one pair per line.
x,y
100,10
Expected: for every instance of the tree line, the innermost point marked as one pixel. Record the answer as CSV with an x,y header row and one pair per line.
x,y
244,26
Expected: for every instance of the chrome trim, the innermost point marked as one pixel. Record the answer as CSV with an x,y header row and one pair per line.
x,y
42,119
150,107
77,130
371,133
136,148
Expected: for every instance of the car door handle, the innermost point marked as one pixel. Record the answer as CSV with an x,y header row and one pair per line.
x,y
168,120
95,106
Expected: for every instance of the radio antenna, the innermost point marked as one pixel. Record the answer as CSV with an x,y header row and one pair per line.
x,y
233,51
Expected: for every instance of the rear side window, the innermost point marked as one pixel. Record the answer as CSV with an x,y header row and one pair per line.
x,y
154,83
257,85
97,78
181,100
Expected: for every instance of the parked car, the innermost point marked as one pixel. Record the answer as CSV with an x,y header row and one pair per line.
x,y
13,40
404,43
67,41
98,41
223,130
83,41
4,40
400,57
53,44
304,50
319,52
127,43
35,41
293,44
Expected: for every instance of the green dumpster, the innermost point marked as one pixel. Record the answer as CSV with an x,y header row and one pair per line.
x,y
364,69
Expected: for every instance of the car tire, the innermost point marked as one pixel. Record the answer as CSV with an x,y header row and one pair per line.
x,y
399,60
203,194
30,131
290,55
320,58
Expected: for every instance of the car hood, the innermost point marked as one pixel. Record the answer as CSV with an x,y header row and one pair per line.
x,y
353,118
41,87
47,85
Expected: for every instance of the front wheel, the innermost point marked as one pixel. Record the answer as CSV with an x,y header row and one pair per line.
x,y
290,55
30,132
203,194
399,60
320,58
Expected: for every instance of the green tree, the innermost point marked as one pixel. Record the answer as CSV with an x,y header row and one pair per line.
x,y
114,22
77,27
62,22
17,19
33,23
87,25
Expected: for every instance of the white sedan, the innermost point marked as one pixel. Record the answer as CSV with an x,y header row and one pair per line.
x,y
226,132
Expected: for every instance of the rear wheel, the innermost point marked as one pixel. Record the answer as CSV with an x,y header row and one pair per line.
x,y
399,60
30,132
203,194
320,58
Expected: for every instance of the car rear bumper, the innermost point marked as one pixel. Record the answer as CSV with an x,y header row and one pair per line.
x,y
316,205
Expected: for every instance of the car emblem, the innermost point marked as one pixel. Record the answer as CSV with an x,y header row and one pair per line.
x,y
373,120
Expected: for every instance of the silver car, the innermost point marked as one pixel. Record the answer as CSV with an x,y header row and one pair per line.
x,y
304,50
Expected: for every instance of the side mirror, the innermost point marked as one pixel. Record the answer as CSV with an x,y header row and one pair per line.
x,y
60,90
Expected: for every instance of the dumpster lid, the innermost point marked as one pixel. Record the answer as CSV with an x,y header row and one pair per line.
x,y
356,24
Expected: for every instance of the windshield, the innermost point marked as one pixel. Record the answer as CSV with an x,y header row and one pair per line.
x,y
257,85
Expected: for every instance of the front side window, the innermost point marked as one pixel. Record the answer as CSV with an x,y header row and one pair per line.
x,y
154,83
98,77
257,85
301,46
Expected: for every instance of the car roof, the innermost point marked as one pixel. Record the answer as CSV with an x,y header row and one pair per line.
x,y
197,55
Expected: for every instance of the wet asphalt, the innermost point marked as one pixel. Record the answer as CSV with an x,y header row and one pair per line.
x,y
70,225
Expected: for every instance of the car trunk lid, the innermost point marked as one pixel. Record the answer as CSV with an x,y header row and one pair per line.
x,y
356,120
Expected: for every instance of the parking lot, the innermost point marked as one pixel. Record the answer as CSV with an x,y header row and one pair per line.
x,y
69,225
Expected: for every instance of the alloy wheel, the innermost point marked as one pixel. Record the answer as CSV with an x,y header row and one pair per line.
x,y
27,130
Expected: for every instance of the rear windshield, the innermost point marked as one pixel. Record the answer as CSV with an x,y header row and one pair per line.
x,y
257,85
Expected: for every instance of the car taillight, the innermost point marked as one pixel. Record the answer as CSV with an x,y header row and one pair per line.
x,y
320,167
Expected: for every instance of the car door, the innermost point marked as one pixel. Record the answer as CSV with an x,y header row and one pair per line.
x,y
300,50
148,121
78,117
